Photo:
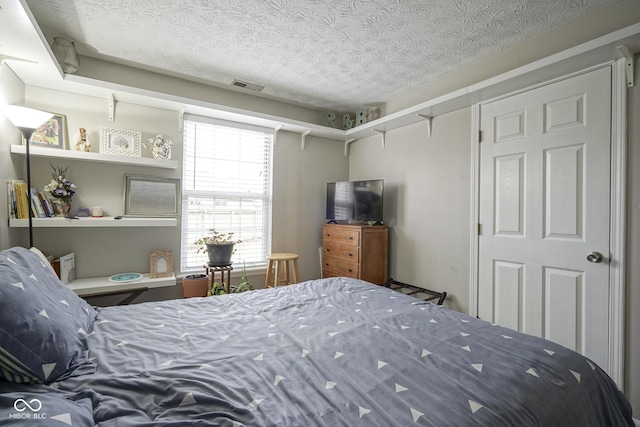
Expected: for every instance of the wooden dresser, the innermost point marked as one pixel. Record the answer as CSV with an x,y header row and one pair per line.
x,y
358,251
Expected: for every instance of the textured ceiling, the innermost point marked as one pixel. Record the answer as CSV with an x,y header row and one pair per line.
x,y
327,54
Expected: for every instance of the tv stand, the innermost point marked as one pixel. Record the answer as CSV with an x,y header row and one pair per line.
x,y
358,251
332,221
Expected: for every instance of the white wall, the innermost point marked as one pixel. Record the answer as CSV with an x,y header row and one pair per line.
x,y
11,93
426,201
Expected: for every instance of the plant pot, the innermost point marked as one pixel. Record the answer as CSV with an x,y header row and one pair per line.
x,y
220,254
195,285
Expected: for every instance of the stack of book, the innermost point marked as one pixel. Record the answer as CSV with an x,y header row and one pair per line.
x,y
21,203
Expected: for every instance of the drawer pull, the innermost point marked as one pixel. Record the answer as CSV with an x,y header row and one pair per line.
x,y
351,255
328,250
350,271
350,238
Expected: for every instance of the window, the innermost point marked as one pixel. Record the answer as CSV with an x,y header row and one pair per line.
x,y
226,185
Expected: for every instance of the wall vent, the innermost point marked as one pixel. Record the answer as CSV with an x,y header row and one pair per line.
x,y
245,85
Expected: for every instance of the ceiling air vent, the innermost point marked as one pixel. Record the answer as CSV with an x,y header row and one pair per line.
x,y
250,86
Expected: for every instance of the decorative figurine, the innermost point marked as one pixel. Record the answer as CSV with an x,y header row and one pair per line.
x,y
81,141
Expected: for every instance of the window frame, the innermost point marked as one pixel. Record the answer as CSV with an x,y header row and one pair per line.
x,y
188,193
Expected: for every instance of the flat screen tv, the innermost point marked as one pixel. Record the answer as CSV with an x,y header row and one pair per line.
x,y
355,200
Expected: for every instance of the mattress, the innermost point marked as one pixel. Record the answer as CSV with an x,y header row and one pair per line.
x,y
329,352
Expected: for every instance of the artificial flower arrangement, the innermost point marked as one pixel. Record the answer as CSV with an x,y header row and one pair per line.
x,y
60,187
160,147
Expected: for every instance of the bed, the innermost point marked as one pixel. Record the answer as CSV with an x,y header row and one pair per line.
x,y
330,352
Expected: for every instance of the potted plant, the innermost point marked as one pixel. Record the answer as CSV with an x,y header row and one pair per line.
x,y
244,283
217,288
219,247
195,285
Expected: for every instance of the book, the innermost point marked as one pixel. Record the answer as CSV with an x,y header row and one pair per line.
x,y
12,208
45,206
36,206
22,200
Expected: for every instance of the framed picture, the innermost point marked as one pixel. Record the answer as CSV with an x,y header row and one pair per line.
x,y
149,196
120,141
161,264
52,133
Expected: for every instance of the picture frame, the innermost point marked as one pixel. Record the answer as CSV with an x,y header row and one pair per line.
x,y
160,264
150,196
121,142
51,134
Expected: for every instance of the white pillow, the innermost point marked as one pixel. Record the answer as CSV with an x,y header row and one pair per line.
x,y
44,259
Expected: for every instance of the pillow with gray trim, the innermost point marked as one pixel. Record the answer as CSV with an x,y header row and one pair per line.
x,y
43,324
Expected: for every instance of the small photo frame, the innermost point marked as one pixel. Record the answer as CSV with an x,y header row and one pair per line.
x,y
150,196
160,264
52,133
121,142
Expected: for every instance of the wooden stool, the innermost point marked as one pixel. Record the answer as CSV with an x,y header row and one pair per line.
x,y
211,273
281,260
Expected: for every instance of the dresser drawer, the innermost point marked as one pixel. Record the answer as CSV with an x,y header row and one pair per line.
x,y
337,250
329,273
339,235
340,267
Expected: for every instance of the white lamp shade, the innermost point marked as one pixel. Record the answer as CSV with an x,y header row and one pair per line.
x,y
25,118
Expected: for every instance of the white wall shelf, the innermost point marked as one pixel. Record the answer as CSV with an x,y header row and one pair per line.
x,y
94,222
102,286
93,157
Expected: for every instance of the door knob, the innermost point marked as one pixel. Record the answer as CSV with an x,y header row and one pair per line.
x,y
594,257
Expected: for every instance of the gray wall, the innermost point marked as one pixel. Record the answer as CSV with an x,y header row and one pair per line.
x,y
427,201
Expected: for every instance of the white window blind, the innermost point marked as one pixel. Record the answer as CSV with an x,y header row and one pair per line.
x,y
226,185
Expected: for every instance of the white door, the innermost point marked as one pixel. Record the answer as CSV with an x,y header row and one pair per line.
x,y
544,207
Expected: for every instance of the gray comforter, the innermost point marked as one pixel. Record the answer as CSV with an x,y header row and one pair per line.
x,y
332,352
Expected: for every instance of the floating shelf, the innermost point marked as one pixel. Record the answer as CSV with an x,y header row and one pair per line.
x,y
93,157
107,221
101,285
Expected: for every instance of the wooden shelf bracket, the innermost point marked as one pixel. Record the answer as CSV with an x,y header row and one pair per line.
x,y
181,118
112,107
629,67
303,140
428,119
275,134
346,146
382,134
